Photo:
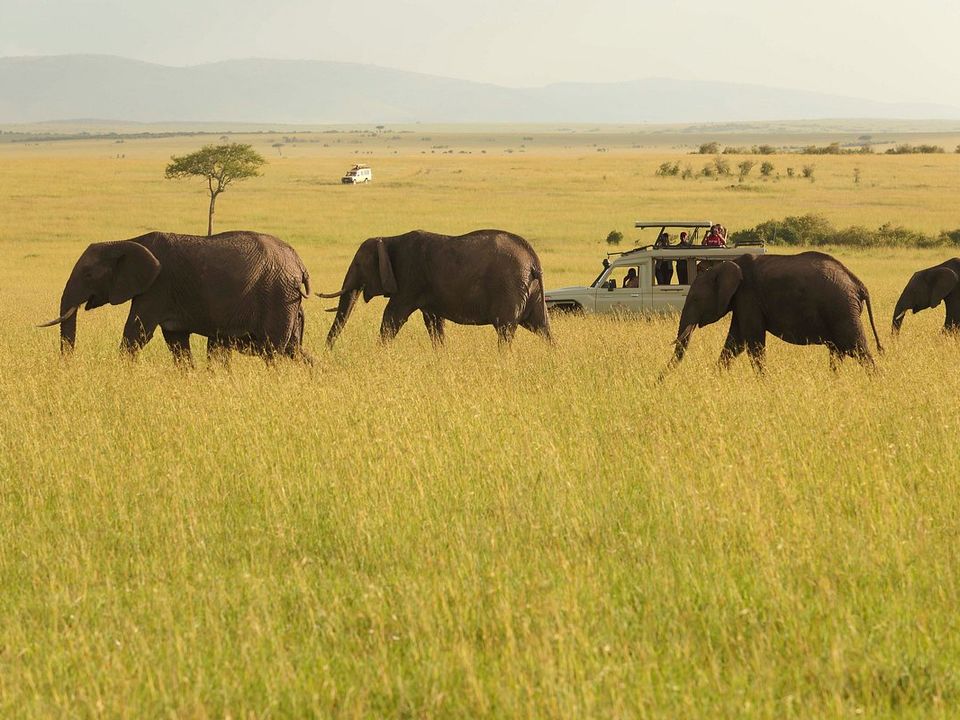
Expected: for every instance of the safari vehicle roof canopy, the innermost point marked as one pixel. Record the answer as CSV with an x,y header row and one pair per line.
x,y
672,224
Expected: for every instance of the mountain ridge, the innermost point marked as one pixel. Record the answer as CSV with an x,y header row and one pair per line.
x,y
257,90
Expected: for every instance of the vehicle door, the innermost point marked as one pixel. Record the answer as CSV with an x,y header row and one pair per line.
x,y
623,299
666,298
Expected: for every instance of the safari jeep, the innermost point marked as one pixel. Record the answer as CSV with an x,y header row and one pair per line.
x,y
357,174
643,293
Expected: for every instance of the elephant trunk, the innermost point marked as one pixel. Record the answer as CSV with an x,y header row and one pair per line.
x,y
348,298
688,323
681,343
68,331
898,313
687,326
74,295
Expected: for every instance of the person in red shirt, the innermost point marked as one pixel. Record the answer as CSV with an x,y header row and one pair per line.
x,y
715,238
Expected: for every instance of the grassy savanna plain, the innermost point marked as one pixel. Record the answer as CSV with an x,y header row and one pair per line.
x,y
404,532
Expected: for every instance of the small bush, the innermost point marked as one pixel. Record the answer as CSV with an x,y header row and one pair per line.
x,y
808,171
708,170
791,172
831,149
721,165
668,169
766,169
615,237
949,237
744,169
687,172
766,150
733,150
709,148
797,230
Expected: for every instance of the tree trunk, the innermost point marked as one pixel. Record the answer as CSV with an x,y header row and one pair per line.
x,y
213,202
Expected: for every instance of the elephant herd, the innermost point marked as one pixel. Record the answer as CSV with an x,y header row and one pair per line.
x,y
244,291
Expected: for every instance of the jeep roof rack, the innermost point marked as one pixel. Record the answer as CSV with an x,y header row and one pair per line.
x,y
673,224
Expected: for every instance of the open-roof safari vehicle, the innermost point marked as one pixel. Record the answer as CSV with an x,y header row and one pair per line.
x,y
357,174
675,266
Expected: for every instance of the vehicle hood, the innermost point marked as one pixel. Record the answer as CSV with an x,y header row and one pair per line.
x,y
568,290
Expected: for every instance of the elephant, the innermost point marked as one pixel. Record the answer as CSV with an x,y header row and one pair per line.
x,y
804,299
926,289
242,290
486,277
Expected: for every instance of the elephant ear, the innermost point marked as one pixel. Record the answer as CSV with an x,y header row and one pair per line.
x,y
729,277
134,271
942,282
387,280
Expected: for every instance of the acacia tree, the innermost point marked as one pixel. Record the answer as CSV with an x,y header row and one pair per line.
x,y
220,165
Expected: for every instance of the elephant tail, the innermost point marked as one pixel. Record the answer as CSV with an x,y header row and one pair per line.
x,y
305,279
865,297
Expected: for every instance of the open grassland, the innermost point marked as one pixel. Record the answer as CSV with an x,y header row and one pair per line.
x,y
402,532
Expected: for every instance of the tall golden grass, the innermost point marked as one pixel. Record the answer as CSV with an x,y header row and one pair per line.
x,y
404,532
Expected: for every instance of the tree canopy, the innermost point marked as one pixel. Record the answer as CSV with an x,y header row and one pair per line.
x,y
220,165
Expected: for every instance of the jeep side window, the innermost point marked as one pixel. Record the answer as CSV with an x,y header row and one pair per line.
x,y
622,278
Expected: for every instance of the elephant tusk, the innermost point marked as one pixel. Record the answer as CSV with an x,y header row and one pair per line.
x,y
331,295
56,321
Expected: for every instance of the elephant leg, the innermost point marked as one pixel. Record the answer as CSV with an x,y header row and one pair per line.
x,y
284,331
757,350
394,316
861,353
218,350
951,323
505,334
179,344
537,320
435,326
295,345
136,332
733,346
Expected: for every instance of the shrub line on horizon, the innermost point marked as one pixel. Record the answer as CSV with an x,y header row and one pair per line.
x,y
815,230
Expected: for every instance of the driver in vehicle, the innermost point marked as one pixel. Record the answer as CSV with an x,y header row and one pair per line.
x,y
632,280
663,269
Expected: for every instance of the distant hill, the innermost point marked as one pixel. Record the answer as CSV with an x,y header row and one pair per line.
x,y
74,87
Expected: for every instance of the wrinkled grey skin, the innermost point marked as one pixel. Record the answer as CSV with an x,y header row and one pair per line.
x,y
804,299
486,277
927,289
239,289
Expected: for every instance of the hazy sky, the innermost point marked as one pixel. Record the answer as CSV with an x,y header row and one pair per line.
x,y
884,49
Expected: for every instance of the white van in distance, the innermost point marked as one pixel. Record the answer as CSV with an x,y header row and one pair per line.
x,y
357,174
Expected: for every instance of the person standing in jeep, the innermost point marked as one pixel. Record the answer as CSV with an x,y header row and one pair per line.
x,y
663,269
